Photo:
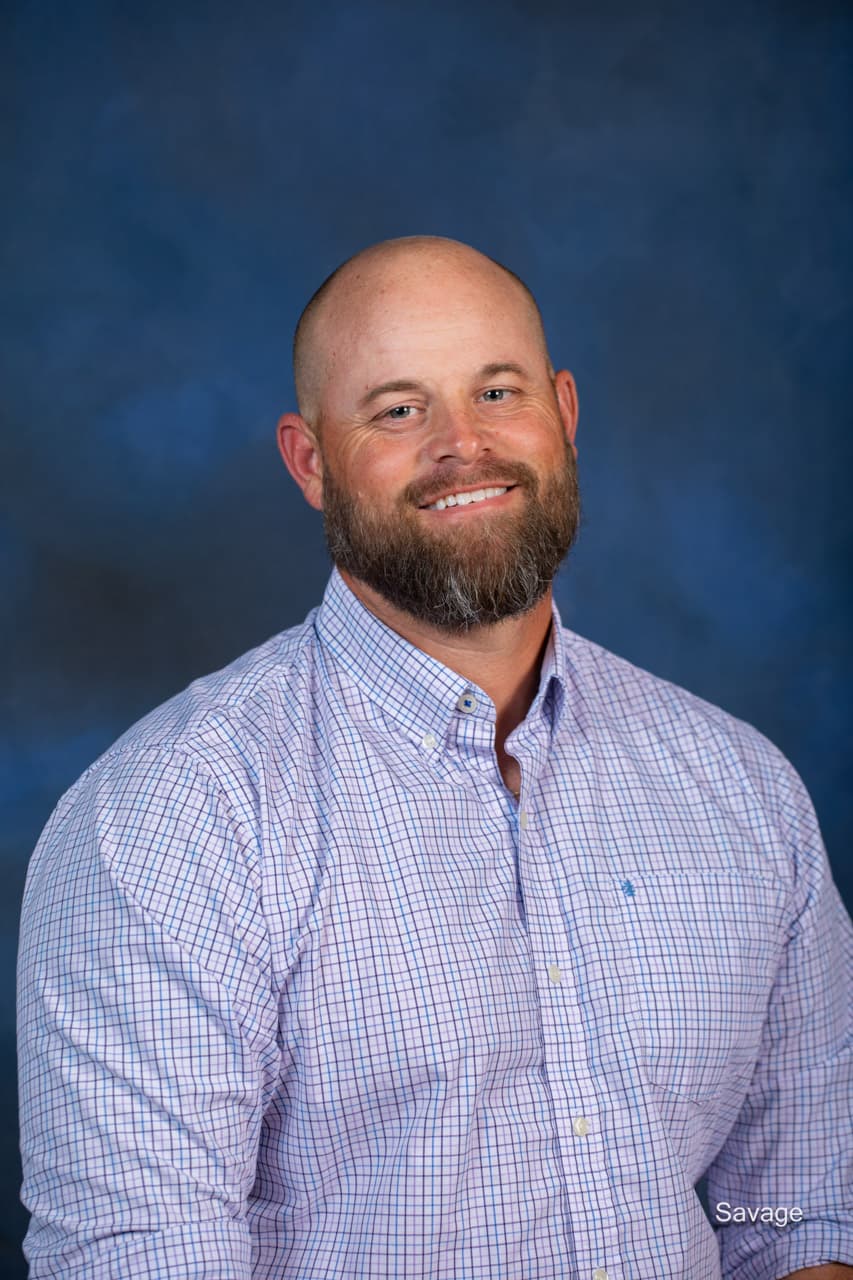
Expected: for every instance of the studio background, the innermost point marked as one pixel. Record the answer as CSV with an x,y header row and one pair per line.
x,y
674,184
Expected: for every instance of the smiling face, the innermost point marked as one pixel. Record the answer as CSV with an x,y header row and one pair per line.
x,y
442,448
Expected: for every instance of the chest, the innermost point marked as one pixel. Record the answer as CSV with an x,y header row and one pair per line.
x,y
430,930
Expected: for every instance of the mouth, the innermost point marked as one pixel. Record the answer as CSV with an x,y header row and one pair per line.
x,y
468,497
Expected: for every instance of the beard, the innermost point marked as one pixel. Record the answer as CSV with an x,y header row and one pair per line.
x,y
496,567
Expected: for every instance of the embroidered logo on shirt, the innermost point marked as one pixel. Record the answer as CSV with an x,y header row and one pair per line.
x,y
628,889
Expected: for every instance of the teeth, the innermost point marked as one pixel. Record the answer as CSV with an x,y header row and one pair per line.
x,y
462,499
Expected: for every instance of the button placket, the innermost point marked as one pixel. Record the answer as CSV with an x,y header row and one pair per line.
x,y
567,1048
568,1051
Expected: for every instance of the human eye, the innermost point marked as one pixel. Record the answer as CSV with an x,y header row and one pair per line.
x,y
400,412
496,395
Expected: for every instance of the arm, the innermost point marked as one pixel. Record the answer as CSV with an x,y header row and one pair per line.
x,y
790,1146
832,1271
146,1030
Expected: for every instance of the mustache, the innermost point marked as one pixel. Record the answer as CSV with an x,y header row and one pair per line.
x,y
447,479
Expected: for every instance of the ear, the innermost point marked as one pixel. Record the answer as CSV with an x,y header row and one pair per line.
x,y
567,399
300,450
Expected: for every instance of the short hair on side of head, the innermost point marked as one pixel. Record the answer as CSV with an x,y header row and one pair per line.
x,y
533,304
303,374
304,363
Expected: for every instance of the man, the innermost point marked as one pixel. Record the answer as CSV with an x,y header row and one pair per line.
x,y
429,939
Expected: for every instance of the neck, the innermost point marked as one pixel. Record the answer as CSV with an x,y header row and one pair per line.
x,y
504,659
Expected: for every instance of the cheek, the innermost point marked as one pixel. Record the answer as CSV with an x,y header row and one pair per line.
x,y
553,444
381,471
539,432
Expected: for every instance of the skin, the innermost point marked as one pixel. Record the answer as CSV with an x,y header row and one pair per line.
x,y
829,1271
437,315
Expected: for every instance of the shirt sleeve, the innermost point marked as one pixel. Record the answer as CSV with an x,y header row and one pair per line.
x,y
790,1148
147,1044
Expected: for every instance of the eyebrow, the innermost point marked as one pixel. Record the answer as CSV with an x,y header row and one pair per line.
x,y
398,384
503,366
408,384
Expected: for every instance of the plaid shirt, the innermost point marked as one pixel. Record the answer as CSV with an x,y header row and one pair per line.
x,y
304,992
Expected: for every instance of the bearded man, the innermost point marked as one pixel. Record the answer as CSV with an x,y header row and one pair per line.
x,y
430,939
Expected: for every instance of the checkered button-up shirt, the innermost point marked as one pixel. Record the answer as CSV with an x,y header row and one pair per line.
x,y
304,992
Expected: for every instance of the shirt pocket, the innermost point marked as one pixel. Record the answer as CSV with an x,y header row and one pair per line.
x,y
705,950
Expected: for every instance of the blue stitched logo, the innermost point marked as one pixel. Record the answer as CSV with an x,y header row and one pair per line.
x,y
628,889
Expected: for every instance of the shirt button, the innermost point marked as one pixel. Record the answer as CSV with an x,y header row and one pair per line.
x,y
467,703
599,1274
554,972
523,819
580,1124
428,740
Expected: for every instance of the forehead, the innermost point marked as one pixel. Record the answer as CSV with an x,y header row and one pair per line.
x,y
425,320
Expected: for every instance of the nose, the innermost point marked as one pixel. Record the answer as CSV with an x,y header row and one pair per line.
x,y
457,433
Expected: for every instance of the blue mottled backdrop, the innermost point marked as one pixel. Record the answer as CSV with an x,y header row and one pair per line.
x,y
674,185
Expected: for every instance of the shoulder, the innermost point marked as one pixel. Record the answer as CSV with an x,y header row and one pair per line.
x,y
170,816
661,724
204,749
622,693
216,719
233,700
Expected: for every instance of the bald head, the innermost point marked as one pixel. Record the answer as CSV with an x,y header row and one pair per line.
x,y
347,296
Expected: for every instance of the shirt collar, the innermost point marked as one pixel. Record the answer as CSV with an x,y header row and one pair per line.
x,y
416,690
